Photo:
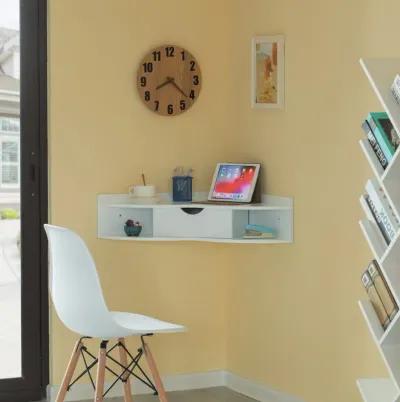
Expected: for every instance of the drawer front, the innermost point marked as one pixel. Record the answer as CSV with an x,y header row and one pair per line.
x,y
193,222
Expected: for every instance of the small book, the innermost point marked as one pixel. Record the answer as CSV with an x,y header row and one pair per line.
x,y
258,235
375,300
384,133
260,228
383,290
374,144
381,209
396,88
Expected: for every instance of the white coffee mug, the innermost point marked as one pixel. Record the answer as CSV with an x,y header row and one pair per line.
x,y
142,191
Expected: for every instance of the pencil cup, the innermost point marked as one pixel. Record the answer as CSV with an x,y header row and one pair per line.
x,y
182,188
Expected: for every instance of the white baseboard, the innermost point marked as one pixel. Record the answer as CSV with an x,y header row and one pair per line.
x,y
181,382
259,392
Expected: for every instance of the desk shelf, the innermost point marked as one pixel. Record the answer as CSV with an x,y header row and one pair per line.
x,y
169,221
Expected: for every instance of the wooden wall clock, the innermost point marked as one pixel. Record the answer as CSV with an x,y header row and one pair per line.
x,y
169,80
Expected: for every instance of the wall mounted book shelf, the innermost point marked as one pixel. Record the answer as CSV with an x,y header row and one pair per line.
x,y
165,220
381,73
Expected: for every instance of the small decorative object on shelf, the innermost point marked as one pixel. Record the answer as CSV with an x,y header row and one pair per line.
x,y
182,185
132,228
143,193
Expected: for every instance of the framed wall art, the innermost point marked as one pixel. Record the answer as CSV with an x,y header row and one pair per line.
x,y
268,72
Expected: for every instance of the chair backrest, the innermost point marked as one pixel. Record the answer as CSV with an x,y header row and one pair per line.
x,y
74,283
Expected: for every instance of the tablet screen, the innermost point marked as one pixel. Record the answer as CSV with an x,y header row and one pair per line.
x,y
234,182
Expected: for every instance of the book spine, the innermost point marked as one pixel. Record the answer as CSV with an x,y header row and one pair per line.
x,y
395,88
375,300
383,290
375,145
382,211
377,219
384,143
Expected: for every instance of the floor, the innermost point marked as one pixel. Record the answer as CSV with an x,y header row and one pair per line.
x,y
217,394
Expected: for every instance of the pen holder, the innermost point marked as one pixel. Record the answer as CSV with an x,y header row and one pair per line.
x,y
182,188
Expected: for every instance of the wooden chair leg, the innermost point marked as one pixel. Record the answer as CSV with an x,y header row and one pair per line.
x,y
69,372
101,368
162,396
124,361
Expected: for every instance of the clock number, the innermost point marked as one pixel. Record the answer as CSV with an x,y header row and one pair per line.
x,y
143,81
191,96
147,96
183,54
170,109
183,105
157,103
170,50
148,67
195,80
192,66
156,56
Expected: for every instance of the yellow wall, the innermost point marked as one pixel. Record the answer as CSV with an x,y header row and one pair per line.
x,y
102,137
282,315
300,328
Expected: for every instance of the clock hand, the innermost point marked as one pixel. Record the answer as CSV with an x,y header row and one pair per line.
x,y
177,87
166,82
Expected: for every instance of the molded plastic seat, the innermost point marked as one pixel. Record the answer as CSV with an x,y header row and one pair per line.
x,y
78,297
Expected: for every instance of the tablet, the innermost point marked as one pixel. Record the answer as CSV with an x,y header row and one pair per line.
x,y
234,182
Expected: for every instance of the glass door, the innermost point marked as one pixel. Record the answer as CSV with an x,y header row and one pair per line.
x,y
23,201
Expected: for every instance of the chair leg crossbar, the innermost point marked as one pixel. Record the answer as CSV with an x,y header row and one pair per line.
x,y
89,360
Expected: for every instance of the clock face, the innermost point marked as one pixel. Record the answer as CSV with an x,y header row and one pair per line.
x,y
169,80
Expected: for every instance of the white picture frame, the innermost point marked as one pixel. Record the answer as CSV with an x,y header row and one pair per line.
x,y
268,72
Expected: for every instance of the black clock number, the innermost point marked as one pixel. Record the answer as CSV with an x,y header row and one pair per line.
x,y
183,105
170,109
147,96
148,67
195,80
143,81
156,55
157,103
192,65
169,51
191,96
183,55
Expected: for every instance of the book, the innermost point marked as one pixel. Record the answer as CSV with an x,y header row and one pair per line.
x,y
374,144
383,290
384,133
262,236
260,228
375,300
376,218
395,88
251,234
382,211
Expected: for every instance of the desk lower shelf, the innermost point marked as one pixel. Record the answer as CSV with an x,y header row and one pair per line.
x,y
168,221
203,239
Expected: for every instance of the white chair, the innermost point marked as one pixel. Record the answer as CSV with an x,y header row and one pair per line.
x,y
79,302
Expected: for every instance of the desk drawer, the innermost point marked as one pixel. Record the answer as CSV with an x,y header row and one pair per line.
x,y
192,222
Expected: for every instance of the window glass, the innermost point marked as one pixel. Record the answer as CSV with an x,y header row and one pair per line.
x,y
9,124
9,151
